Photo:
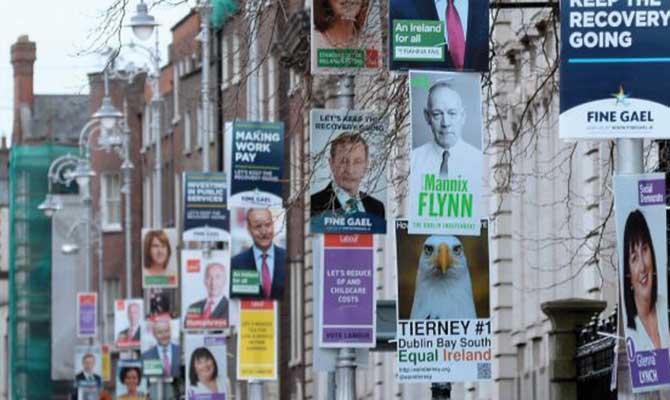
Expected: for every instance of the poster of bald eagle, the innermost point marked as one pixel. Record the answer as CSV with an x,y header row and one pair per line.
x,y
444,327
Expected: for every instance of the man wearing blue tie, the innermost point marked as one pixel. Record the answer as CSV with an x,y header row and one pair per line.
x,y
466,33
264,257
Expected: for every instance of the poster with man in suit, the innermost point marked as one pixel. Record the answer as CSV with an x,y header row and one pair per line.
x,y
161,352
439,35
88,366
205,289
258,265
348,186
128,314
447,162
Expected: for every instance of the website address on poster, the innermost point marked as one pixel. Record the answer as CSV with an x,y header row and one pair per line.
x,y
444,225
418,53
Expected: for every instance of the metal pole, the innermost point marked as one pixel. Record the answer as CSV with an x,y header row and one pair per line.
x,y
127,167
345,375
255,387
441,391
89,249
205,12
345,369
101,317
256,390
252,82
629,156
155,125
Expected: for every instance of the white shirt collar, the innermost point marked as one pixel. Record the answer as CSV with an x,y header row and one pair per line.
x,y
258,258
343,196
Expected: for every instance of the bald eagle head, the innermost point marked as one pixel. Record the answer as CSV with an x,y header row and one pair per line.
x,y
443,289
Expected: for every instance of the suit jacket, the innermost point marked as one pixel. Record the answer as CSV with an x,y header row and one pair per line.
x,y
245,261
124,334
220,311
326,200
152,354
80,377
476,42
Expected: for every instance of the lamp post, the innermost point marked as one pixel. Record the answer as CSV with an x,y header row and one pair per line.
x,y
205,13
143,25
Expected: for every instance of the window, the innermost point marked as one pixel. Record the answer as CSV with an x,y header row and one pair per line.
x,y
200,126
147,205
187,132
112,291
237,55
110,201
262,88
146,126
272,88
225,71
175,97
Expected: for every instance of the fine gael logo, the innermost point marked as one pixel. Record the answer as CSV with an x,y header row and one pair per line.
x,y
621,97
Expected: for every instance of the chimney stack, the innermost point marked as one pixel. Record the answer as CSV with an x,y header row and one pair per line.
x,y
23,59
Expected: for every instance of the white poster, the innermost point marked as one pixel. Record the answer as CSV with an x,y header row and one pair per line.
x,y
643,277
446,184
128,316
159,258
205,286
206,370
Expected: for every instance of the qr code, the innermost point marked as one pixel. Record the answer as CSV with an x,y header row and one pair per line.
x,y
484,370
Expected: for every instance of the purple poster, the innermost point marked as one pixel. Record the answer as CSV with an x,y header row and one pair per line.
x,y
348,291
643,279
86,314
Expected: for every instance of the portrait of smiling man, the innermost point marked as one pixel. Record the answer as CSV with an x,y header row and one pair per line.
x,y
349,161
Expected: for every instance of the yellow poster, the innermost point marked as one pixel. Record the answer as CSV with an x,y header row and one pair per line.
x,y
106,364
257,340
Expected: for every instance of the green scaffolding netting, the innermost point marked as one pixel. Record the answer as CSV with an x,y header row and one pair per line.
x,y
30,272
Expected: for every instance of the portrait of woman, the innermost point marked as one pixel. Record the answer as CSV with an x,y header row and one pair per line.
x,y
338,24
203,373
640,285
157,252
131,377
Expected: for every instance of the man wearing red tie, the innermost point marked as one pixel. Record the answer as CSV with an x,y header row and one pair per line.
x,y
214,309
466,37
264,257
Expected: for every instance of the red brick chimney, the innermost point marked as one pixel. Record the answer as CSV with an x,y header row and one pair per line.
x,y
23,58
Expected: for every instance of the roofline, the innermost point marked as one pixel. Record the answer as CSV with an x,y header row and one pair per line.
x,y
181,21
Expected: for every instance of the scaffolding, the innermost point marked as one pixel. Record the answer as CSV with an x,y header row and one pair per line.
x,y
30,272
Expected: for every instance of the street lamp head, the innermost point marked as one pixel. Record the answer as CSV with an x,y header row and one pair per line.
x,y
49,206
107,114
142,22
69,248
83,174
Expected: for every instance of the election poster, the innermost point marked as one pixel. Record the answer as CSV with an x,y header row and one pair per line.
x,y
258,262
255,161
612,53
161,301
643,277
161,351
87,315
348,185
159,258
204,289
257,340
446,168
88,366
205,212
348,300
439,35
346,37
206,370
106,363
130,381
444,326
128,316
